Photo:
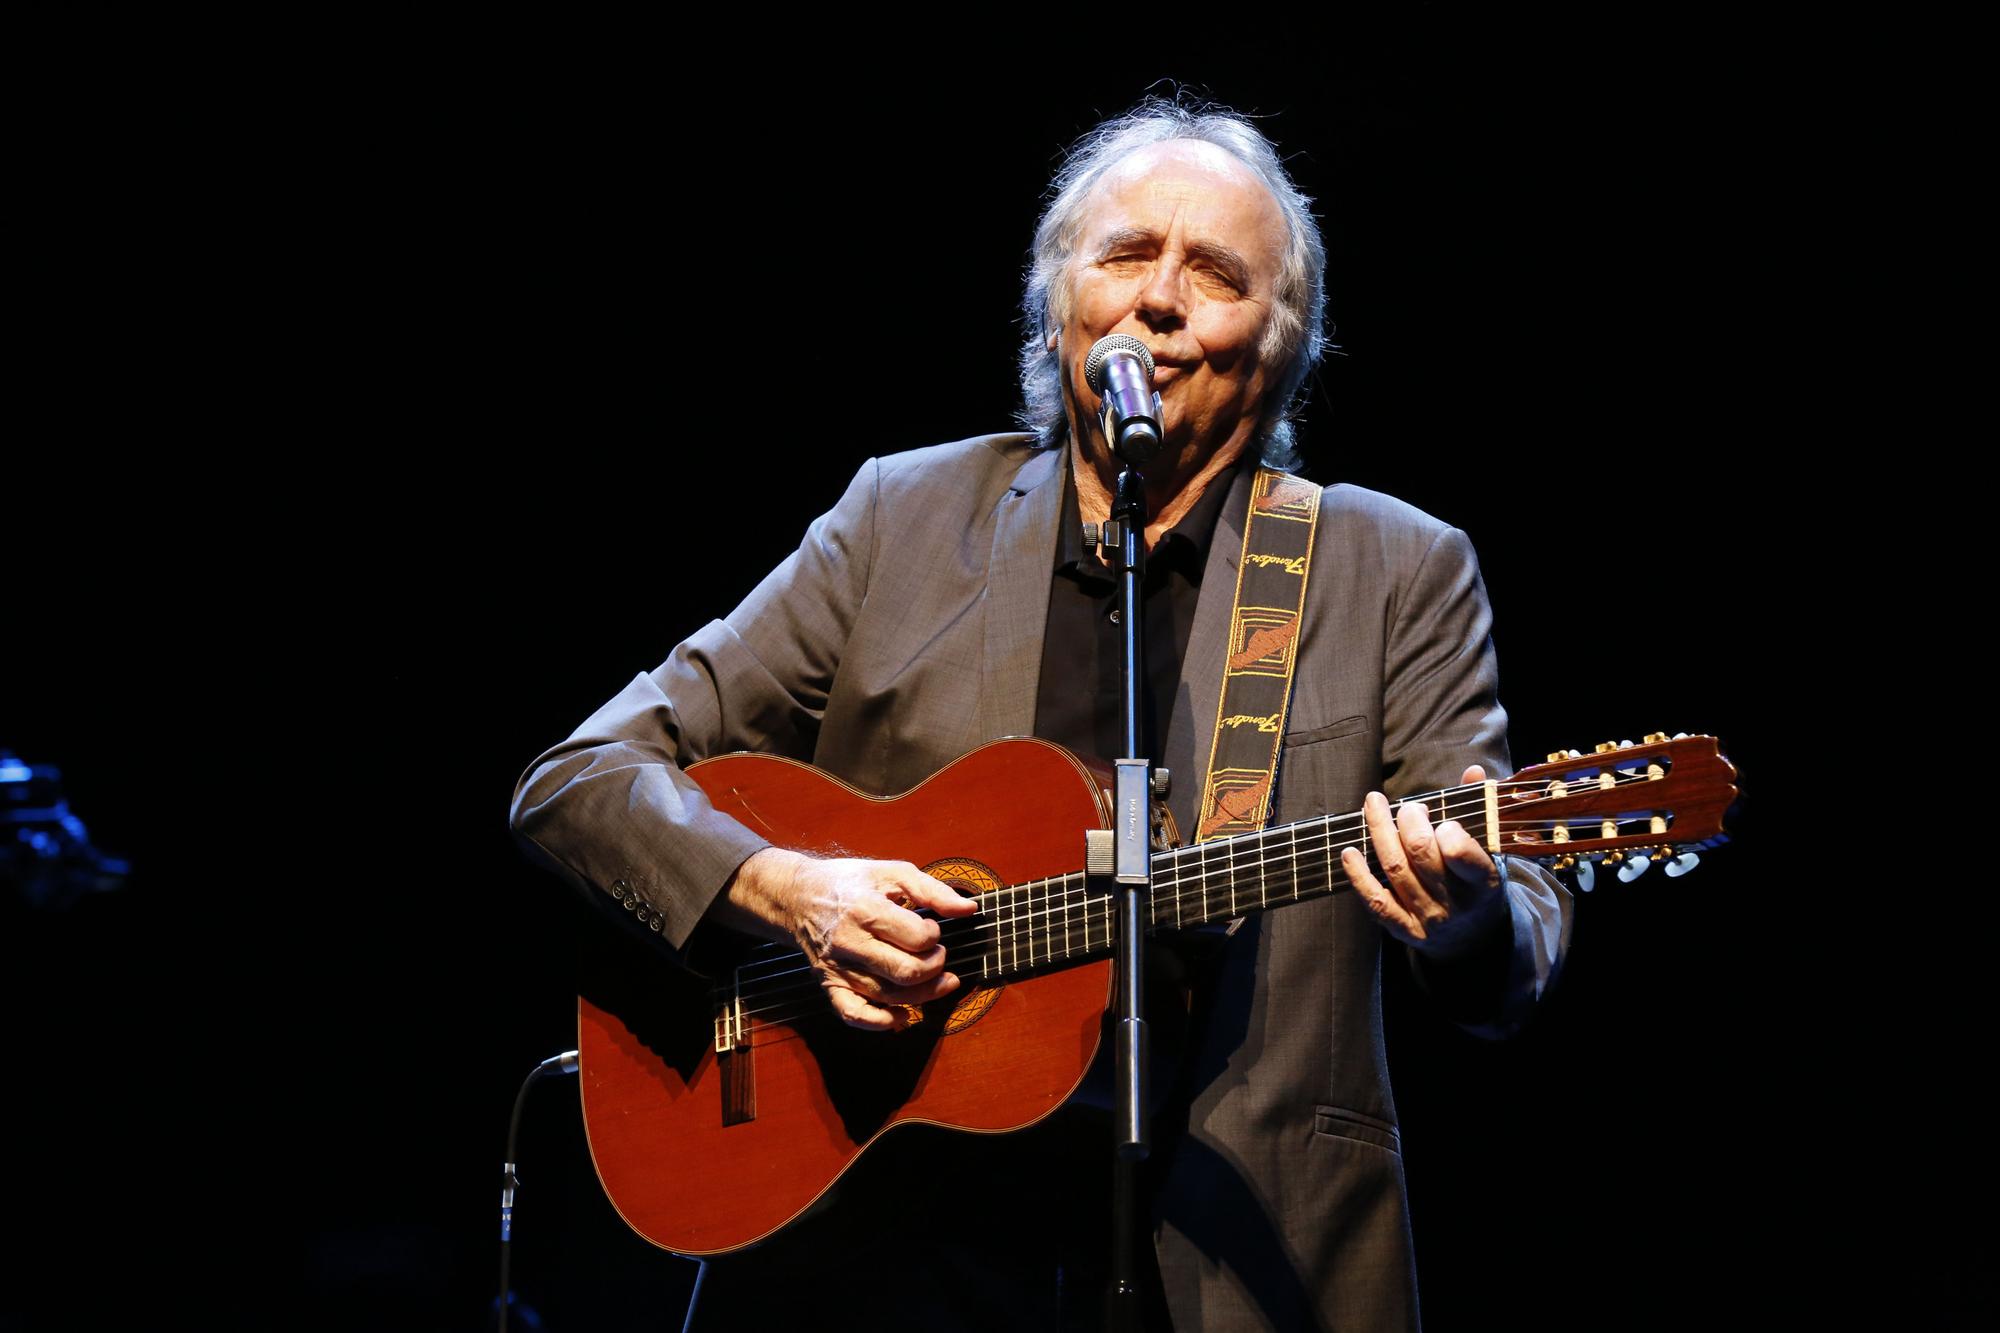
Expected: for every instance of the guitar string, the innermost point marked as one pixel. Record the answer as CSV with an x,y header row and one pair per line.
x,y
1448,810
1023,929
1046,941
1047,947
1259,843
1170,861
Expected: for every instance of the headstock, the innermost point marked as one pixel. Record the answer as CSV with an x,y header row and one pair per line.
x,y
1622,804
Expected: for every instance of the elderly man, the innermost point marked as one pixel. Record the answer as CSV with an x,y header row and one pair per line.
x,y
949,598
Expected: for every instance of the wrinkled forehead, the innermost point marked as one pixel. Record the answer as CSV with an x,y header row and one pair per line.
x,y
1198,189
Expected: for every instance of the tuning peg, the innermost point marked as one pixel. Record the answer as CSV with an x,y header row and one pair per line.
x,y
1681,864
1655,737
1605,747
1634,867
1586,875
1680,735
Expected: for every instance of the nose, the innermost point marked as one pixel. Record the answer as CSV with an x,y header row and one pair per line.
x,y
1163,300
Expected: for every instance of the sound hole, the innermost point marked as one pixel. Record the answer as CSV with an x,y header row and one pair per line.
x,y
971,878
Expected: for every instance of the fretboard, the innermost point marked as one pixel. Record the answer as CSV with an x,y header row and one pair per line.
x,y
1067,919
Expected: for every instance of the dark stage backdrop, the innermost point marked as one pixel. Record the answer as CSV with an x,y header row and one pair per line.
x,y
399,399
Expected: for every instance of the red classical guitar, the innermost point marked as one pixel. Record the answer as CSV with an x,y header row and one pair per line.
x,y
713,1123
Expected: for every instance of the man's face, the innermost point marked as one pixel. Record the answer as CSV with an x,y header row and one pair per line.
x,y
1181,246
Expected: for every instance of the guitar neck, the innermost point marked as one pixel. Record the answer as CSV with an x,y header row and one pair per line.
x,y
1066,919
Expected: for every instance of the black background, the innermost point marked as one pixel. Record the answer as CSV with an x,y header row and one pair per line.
x,y
394,397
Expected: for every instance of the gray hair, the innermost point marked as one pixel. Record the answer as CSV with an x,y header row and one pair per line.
x,y
1294,338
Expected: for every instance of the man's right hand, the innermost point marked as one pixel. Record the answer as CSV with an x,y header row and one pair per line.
x,y
854,921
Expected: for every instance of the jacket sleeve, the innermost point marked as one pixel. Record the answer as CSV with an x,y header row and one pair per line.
x,y
1441,712
611,811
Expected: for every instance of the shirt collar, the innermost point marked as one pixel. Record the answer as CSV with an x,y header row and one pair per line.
x,y
1185,544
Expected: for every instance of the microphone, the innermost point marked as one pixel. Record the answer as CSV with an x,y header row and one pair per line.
x,y
1120,370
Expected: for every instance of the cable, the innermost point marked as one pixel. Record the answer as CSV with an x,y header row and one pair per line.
x,y
566,1063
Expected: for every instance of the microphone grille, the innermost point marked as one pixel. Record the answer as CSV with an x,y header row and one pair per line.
x,y
1101,351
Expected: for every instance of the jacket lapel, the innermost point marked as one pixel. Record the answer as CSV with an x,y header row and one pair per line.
x,y
1017,595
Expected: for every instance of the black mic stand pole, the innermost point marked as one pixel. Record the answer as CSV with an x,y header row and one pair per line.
x,y
1132,858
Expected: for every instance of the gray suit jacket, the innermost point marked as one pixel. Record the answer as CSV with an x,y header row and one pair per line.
x,y
908,628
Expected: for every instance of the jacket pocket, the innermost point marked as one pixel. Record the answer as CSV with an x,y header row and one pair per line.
x,y
1347,726
1342,1123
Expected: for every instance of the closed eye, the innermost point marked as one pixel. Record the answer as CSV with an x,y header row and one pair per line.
x,y
1216,277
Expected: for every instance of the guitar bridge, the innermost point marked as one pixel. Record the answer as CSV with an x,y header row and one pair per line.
x,y
732,1057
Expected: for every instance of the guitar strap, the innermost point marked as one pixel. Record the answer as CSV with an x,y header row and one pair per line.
x,y
1264,626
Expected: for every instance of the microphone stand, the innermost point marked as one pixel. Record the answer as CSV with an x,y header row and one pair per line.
x,y
1132,856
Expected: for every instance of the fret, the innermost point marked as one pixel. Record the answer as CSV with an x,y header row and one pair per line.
x,y
1229,853
1056,925
1293,860
1028,921
989,907
1034,920
1083,913
1052,938
1024,924
1221,879
1007,947
1048,919
1263,889
1201,878
1045,923
1069,945
1070,900
1042,938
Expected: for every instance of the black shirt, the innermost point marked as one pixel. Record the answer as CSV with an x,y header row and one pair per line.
x,y
1081,699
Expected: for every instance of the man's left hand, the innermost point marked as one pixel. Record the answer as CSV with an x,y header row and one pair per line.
x,y
1442,889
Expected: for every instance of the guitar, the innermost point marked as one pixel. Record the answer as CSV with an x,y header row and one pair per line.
x,y
714,1122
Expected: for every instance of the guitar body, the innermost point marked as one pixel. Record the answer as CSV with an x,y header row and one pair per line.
x,y
703,1149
